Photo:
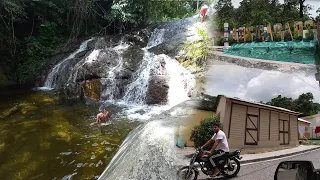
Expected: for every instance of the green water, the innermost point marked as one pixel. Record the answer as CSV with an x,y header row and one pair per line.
x,y
301,51
41,138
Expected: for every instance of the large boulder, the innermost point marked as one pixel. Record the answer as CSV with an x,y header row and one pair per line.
x,y
132,57
92,89
157,90
71,92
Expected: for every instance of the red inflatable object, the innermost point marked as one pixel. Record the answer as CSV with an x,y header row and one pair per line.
x,y
317,130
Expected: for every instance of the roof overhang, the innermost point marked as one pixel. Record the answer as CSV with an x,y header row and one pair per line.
x,y
264,106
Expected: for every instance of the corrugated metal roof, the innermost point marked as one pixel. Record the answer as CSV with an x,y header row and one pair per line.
x,y
302,120
264,105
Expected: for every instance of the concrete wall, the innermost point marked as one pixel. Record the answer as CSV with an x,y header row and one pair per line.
x,y
294,130
304,130
315,121
221,109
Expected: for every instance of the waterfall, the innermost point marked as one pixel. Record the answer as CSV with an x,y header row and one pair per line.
x,y
110,81
156,38
51,81
147,153
181,82
136,91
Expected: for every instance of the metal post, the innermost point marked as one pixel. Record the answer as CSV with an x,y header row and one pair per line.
x,y
197,5
226,34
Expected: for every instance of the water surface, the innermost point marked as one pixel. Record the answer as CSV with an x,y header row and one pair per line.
x,y
41,138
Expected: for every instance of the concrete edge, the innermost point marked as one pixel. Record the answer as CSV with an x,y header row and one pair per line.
x,y
276,157
274,62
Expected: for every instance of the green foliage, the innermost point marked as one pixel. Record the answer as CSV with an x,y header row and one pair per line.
x,y
219,41
202,133
197,51
311,36
256,12
31,31
304,104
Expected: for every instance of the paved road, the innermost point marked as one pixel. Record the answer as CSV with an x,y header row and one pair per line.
x,y
265,170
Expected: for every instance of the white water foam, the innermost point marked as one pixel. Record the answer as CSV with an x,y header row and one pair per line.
x,y
156,38
149,147
53,75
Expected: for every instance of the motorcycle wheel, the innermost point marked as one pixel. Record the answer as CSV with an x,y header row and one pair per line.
x,y
182,174
233,162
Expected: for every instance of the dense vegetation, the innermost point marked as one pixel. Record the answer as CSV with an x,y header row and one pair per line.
x,y
202,133
304,104
32,30
255,12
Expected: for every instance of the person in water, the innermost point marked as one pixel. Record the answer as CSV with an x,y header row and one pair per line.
x,y
102,117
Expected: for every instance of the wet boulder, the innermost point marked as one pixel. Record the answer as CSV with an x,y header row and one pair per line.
x,y
157,92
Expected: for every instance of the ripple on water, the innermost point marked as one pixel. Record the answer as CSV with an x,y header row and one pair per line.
x,y
65,153
65,142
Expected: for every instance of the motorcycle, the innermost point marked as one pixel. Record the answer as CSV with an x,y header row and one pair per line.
x,y
230,164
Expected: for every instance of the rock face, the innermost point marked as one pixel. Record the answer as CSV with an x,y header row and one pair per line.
x,y
92,89
157,90
3,78
121,68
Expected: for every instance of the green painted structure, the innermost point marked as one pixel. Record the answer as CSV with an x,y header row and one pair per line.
x,y
305,52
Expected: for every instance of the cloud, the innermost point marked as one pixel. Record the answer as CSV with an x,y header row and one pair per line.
x,y
258,85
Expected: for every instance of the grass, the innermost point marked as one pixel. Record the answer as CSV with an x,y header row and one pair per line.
x,y
312,142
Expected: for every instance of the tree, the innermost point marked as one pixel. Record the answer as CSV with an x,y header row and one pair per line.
x,y
280,101
224,13
202,133
301,7
31,30
260,12
304,104
318,16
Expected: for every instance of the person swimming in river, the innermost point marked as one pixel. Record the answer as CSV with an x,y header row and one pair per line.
x,y
102,117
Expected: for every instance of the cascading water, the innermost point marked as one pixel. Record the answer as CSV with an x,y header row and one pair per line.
x,y
148,152
51,81
181,82
136,91
157,37
112,90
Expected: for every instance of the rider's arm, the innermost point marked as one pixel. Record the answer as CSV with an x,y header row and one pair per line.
x,y
207,143
217,141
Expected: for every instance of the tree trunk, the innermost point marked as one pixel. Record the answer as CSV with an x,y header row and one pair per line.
x,y
301,7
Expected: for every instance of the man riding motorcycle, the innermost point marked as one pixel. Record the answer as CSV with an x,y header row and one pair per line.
x,y
220,148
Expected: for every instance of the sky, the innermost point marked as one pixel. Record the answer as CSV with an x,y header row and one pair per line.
x,y
258,85
314,3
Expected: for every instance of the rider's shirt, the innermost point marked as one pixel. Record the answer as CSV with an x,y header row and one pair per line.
x,y
223,145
